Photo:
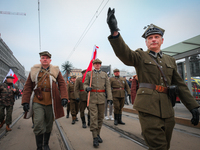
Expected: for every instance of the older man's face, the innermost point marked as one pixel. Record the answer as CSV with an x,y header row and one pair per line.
x,y
45,61
116,73
153,42
9,80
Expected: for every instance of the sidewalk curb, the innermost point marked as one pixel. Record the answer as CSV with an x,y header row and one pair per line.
x,y
178,120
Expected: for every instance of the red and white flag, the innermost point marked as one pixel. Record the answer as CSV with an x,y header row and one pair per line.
x,y
11,73
94,56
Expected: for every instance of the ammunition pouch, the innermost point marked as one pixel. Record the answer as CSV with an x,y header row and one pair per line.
x,y
38,93
172,93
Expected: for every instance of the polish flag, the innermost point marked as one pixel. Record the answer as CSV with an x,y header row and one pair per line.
x,y
94,56
11,73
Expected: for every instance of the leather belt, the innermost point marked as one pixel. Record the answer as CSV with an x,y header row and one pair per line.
x,y
46,89
118,88
158,88
81,90
98,90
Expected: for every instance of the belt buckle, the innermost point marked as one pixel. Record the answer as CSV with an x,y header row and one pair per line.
x,y
160,88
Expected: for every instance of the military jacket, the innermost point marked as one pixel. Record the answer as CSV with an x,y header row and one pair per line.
x,y
70,89
149,100
79,91
100,81
118,86
7,94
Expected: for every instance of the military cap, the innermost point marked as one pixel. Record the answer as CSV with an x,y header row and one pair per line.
x,y
153,29
97,61
116,70
73,76
10,77
83,71
45,53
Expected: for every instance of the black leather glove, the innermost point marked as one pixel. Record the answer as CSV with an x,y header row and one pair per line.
x,y
88,88
25,107
112,21
64,102
195,116
77,100
110,102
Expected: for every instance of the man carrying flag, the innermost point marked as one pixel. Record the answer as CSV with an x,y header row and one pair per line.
x,y
98,84
7,93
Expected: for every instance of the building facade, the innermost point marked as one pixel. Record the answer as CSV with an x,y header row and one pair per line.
x,y
7,62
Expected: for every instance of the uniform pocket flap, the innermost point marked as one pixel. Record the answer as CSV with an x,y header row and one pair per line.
x,y
144,91
169,66
149,62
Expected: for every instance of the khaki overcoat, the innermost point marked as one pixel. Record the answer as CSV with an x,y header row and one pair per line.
x,y
70,88
100,81
118,86
79,91
149,100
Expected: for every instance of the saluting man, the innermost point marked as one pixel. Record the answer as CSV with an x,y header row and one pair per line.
x,y
73,101
99,85
7,99
81,95
118,86
48,107
155,109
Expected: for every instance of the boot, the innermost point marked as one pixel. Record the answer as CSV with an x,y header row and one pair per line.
x,y
120,119
73,119
67,114
46,141
88,120
8,128
83,122
76,119
99,139
116,119
95,142
2,123
39,141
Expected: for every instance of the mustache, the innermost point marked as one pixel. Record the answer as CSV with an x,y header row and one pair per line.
x,y
154,43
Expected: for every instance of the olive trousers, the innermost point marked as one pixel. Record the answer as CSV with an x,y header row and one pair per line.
x,y
74,107
83,106
9,110
43,118
118,104
157,131
96,118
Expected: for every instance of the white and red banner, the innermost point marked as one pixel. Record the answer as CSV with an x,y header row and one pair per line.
x,y
94,56
11,73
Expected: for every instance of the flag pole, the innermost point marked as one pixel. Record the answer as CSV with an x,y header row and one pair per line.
x,y
88,100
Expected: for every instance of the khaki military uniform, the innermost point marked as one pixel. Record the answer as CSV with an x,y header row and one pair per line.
x,y
82,95
118,86
7,99
73,102
100,84
155,109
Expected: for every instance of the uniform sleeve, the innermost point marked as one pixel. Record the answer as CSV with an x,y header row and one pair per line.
x,y
108,89
127,88
28,88
123,52
77,88
184,93
87,81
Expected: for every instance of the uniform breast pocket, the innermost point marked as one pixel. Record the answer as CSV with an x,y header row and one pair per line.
x,y
169,69
150,67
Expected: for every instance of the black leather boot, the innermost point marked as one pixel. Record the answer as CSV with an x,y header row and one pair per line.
x,y
116,119
73,119
95,142
39,141
67,114
83,122
120,119
99,139
88,120
46,141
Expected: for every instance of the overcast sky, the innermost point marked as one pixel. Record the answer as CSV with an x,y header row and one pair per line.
x,y
62,22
